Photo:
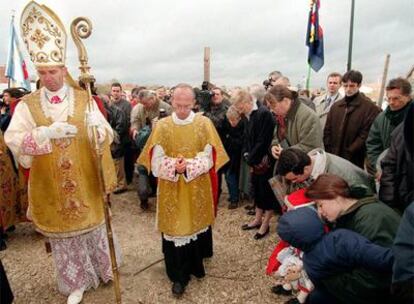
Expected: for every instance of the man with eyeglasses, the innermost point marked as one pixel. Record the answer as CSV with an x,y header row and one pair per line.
x,y
349,120
379,138
184,151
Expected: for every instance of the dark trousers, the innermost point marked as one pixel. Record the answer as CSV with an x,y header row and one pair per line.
x,y
147,184
183,261
129,161
232,180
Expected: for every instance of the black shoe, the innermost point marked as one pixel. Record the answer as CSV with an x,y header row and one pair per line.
x,y
144,205
259,236
249,207
279,290
292,301
247,227
251,212
233,205
177,289
119,191
3,245
11,228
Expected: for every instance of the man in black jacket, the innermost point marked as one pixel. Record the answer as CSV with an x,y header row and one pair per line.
x,y
397,179
122,166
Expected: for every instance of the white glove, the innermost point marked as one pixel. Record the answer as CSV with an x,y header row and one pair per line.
x,y
59,129
93,119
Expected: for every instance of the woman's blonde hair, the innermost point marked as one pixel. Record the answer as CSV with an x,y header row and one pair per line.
x,y
241,96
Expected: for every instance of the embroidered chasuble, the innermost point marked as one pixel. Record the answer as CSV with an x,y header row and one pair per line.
x,y
8,188
184,208
64,191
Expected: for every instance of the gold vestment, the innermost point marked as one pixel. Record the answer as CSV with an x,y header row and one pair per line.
x,y
64,191
184,208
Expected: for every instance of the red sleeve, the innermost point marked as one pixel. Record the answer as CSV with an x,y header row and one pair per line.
x,y
100,105
13,106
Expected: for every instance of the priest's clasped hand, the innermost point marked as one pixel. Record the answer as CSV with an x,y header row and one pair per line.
x,y
59,129
180,165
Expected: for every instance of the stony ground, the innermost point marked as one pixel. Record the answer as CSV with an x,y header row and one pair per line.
x,y
235,274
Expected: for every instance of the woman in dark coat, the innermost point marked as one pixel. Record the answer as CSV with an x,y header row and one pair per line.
x,y
259,132
346,207
233,135
6,295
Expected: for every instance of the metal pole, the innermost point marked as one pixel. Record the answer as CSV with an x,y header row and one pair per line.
x,y
81,28
308,77
384,78
351,35
207,64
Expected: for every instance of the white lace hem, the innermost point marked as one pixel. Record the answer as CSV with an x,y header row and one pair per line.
x,y
183,240
82,261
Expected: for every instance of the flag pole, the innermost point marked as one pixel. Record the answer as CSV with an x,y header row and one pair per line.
x,y
308,77
11,24
351,35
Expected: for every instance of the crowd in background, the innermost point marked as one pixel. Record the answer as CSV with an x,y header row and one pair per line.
x,y
354,162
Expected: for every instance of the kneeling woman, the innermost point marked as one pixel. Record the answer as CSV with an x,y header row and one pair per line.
x,y
349,208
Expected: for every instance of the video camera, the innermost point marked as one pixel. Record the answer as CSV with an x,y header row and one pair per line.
x,y
267,83
204,97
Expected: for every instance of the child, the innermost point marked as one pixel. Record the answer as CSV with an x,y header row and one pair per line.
x,y
326,254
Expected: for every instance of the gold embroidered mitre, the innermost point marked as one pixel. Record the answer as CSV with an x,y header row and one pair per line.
x,y
44,35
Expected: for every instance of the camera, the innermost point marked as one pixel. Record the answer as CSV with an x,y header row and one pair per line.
x,y
267,84
204,97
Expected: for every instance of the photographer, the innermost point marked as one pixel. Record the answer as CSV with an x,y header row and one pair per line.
x,y
271,79
143,117
204,97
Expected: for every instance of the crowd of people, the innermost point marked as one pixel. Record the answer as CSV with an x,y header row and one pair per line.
x,y
336,170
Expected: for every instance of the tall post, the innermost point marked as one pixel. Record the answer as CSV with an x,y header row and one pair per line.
x,y
81,28
308,77
207,64
384,79
351,36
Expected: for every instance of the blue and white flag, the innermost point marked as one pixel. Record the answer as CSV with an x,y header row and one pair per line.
x,y
16,69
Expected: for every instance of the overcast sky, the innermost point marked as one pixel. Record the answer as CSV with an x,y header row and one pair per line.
x,y
162,42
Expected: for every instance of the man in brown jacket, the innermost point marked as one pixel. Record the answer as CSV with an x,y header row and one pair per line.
x,y
349,121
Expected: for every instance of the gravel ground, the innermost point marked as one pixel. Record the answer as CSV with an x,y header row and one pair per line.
x,y
235,274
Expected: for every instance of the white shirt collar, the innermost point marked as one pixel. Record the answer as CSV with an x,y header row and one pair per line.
x,y
319,159
255,107
185,121
62,92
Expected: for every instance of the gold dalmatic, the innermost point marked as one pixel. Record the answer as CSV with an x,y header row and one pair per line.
x,y
184,208
64,192
8,188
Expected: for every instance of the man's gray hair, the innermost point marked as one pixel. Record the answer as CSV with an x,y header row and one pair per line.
x,y
277,74
257,91
144,94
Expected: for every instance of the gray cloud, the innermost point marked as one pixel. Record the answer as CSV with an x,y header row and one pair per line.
x,y
162,42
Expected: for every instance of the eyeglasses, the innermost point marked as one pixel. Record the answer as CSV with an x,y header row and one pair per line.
x,y
394,98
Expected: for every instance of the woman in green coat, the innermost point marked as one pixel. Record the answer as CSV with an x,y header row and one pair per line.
x,y
349,208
